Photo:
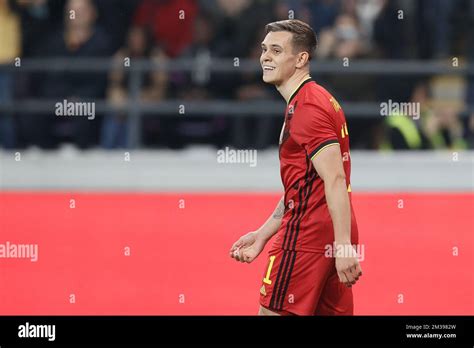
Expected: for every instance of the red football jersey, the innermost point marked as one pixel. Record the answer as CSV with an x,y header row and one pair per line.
x,y
313,121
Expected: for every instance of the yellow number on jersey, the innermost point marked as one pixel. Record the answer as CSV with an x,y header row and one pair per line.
x,y
344,131
335,104
267,280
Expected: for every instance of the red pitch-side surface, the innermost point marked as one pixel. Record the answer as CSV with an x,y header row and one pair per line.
x,y
179,262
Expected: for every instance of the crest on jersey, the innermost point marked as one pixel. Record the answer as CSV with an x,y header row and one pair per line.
x,y
285,130
291,110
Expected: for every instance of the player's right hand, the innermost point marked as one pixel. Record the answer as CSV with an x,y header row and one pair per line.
x,y
247,247
347,266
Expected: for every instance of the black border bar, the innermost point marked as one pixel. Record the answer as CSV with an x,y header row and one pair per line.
x,y
137,330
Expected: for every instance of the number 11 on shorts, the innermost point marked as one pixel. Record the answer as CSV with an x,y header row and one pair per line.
x,y
267,280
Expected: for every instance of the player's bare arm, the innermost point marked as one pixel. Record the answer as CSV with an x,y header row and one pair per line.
x,y
249,246
328,164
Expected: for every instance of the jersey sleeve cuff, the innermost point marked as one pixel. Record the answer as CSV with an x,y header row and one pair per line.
x,y
322,146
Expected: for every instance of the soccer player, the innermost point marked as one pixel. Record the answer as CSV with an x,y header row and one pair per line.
x,y
312,263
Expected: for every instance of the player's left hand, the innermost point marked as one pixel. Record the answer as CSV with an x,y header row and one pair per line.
x,y
347,265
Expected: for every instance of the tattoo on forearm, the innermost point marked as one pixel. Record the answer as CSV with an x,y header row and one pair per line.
x,y
280,210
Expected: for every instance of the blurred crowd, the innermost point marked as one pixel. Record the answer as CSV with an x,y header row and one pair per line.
x,y
165,30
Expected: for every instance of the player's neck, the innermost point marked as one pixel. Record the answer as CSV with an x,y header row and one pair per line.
x,y
288,87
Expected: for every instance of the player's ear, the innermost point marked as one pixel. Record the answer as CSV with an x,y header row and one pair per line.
x,y
302,59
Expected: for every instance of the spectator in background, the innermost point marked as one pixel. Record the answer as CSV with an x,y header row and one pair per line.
x,y
391,42
367,12
435,27
237,27
351,29
444,129
443,126
438,125
39,19
389,32
171,23
403,131
10,39
80,37
115,16
323,14
139,45
197,84
344,40
240,33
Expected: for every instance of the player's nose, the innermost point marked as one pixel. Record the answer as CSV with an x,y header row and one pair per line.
x,y
264,58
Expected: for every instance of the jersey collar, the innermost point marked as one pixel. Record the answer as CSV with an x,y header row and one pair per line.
x,y
309,79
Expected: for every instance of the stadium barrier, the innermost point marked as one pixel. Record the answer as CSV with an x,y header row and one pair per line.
x,y
137,109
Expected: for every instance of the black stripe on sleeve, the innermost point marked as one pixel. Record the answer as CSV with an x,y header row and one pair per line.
x,y
323,144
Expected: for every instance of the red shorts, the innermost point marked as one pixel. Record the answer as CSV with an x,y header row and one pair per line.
x,y
304,283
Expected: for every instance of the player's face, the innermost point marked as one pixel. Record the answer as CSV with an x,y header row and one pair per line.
x,y
278,60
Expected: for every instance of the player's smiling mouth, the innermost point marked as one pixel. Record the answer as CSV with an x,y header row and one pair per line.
x,y
268,68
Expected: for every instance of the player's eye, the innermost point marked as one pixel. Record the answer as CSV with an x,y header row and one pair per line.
x,y
276,51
